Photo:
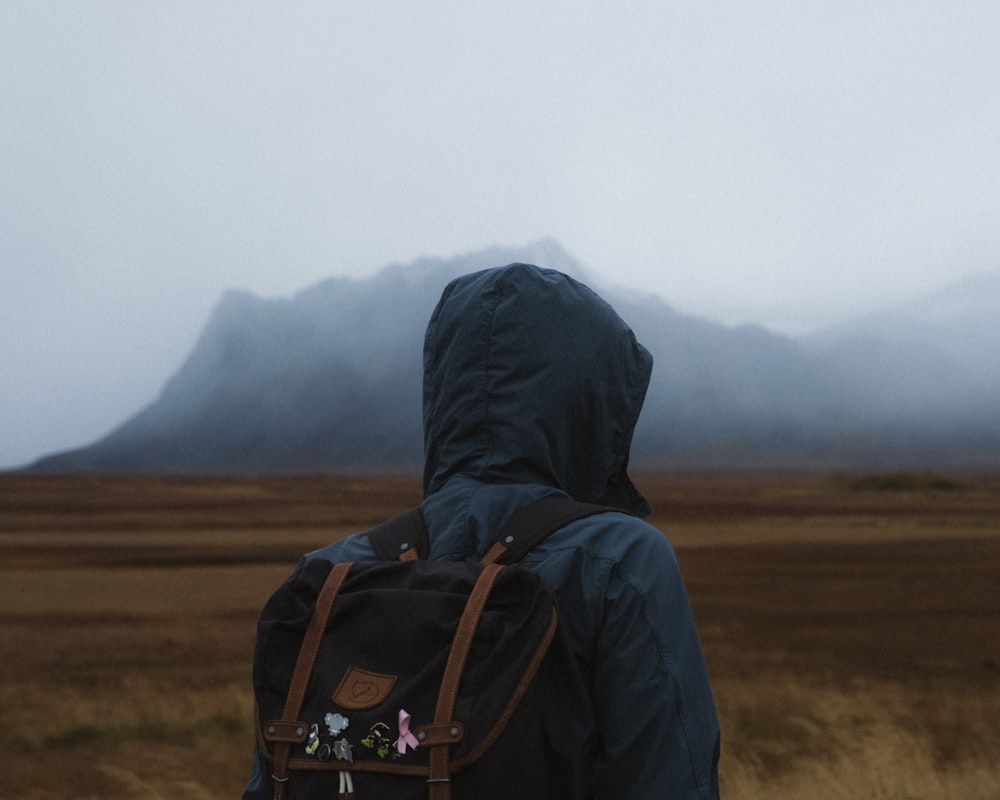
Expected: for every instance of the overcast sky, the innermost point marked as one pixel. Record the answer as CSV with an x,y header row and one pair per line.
x,y
781,162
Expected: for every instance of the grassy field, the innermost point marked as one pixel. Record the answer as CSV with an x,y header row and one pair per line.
x,y
851,626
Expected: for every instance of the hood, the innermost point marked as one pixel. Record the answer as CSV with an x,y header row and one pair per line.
x,y
530,377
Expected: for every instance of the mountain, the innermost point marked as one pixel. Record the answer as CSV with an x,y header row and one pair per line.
x,y
330,379
959,323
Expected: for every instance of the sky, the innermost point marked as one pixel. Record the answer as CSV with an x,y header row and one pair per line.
x,y
784,163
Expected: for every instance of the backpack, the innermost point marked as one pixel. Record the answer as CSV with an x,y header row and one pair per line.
x,y
409,678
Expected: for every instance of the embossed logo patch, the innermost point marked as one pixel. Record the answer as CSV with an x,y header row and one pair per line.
x,y
360,688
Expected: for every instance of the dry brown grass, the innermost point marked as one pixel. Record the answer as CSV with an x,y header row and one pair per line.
x,y
852,628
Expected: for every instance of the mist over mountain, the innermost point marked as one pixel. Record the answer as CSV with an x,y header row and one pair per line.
x,y
330,379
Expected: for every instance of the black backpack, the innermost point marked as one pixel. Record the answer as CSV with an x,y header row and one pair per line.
x,y
409,678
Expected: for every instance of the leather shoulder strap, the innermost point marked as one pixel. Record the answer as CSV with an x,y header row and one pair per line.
x,y
401,538
531,523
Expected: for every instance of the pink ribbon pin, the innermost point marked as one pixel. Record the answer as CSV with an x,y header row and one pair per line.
x,y
405,737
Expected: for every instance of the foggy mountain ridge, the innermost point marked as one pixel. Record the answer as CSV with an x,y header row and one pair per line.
x,y
330,380
959,321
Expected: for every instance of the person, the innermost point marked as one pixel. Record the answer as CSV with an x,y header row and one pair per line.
x,y
532,386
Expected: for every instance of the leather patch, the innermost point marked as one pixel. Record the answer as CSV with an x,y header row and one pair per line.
x,y
360,688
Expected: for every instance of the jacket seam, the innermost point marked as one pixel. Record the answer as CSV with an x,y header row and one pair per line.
x,y
671,670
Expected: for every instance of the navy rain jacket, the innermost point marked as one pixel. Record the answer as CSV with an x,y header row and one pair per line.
x,y
532,386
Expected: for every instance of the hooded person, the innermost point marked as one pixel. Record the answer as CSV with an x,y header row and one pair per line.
x,y
532,387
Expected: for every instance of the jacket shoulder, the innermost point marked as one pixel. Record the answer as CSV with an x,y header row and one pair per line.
x,y
355,547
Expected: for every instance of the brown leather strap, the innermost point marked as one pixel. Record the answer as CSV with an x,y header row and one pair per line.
x,y
438,779
494,554
303,669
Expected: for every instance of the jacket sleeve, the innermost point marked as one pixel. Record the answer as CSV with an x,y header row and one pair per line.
x,y
658,725
258,787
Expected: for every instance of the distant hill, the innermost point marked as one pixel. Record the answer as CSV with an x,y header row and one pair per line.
x,y
330,379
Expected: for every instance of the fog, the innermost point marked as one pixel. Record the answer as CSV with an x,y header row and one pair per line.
x,y
786,165
330,379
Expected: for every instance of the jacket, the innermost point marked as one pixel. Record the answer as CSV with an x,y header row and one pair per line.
x,y
533,386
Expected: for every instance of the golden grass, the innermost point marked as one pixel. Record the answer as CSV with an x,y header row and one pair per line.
x,y
801,737
852,628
